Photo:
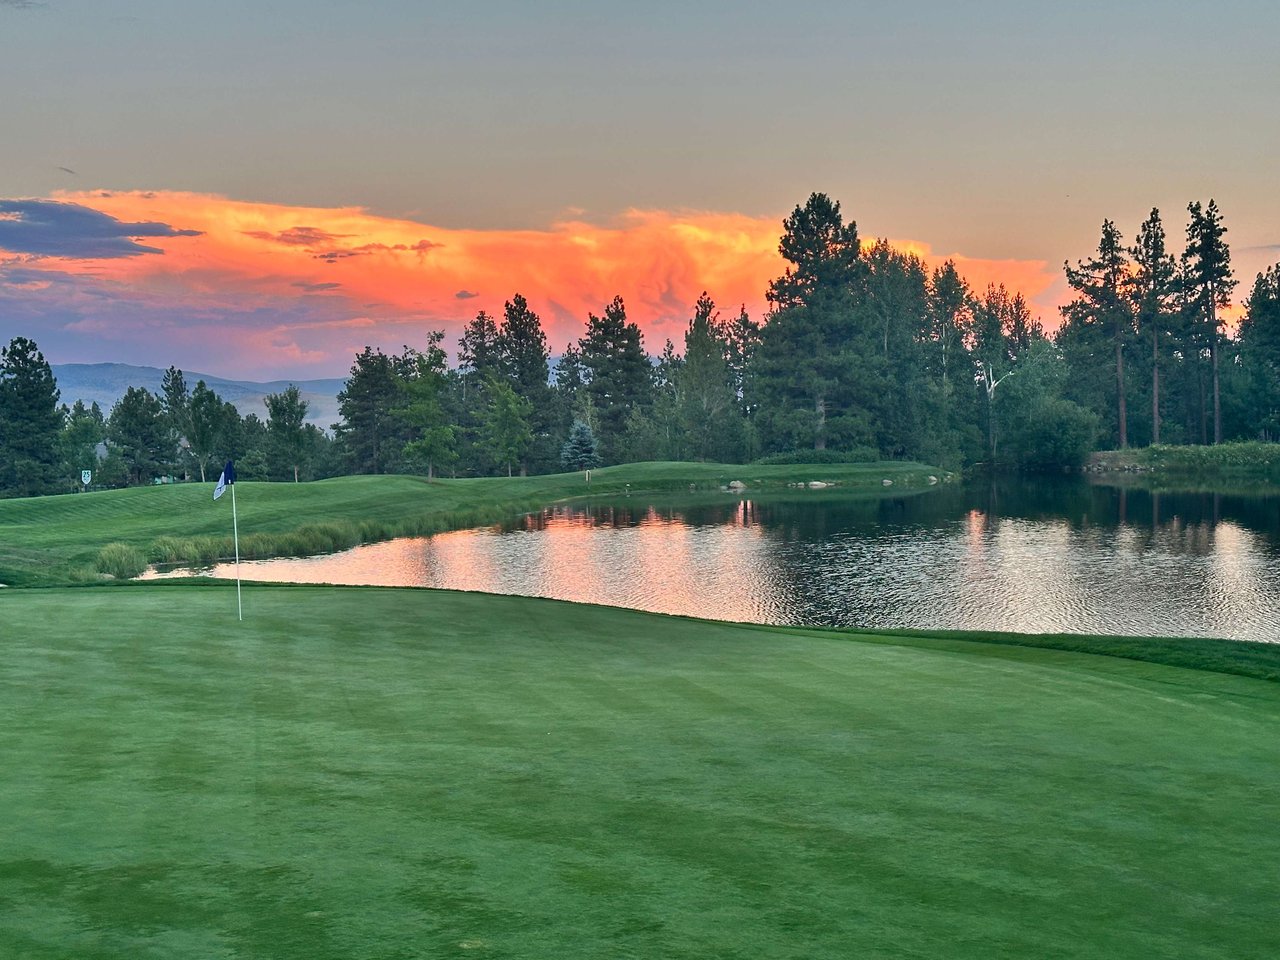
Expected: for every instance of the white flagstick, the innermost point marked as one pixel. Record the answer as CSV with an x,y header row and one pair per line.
x,y
235,531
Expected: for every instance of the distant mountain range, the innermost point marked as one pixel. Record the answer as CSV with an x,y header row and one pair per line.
x,y
106,383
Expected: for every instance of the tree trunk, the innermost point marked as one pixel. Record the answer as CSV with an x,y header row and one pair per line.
x,y
1217,403
820,431
295,473
1155,384
1122,413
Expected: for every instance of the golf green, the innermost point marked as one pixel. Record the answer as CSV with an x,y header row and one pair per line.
x,y
360,773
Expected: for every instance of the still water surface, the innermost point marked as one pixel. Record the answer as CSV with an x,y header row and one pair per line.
x,y
1038,557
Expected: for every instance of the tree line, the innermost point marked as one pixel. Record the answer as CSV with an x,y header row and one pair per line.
x,y
866,352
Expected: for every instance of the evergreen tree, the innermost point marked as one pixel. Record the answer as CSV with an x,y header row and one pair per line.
x,y
176,403
525,363
1260,354
580,450
807,357
83,429
1099,319
704,394
618,373
1152,291
479,354
137,429
288,444
1208,280
30,421
370,432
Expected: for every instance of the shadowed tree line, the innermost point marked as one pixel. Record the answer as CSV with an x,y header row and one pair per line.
x,y
866,352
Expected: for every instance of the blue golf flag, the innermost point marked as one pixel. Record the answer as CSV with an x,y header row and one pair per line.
x,y
228,477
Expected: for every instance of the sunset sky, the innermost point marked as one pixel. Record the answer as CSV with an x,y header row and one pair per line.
x,y
259,190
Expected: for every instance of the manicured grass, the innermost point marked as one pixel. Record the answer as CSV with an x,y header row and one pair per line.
x,y
52,540
359,773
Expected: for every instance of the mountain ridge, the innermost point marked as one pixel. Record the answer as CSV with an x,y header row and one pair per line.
x,y
105,383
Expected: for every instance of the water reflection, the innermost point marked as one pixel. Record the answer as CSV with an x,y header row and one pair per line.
x,y
1049,557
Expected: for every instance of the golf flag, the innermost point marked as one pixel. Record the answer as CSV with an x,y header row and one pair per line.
x,y
227,479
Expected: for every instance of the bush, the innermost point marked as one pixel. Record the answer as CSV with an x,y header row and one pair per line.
x,y
120,560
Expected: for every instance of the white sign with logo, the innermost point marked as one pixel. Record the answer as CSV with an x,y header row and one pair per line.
x,y
86,476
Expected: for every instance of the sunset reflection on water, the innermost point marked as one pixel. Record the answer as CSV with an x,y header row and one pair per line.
x,y
893,564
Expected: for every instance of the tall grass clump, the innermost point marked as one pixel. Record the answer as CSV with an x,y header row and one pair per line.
x,y
120,560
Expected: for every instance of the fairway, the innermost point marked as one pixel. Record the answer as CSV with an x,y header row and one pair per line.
x,y
360,773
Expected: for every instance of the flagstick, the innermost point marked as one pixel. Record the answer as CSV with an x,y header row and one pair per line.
x,y
235,530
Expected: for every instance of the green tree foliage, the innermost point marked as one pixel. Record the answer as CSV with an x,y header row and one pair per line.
x,y
525,363
1207,284
83,428
1002,333
705,394
30,421
139,433
423,383
580,450
175,400
1041,428
212,425
370,433
288,444
506,431
810,352
1099,321
1260,354
1152,290
618,373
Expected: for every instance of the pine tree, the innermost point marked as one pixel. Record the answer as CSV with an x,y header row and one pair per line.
x,y
1101,312
580,450
370,432
176,403
1260,353
809,352
30,421
138,431
1152,290
1208,279
619,374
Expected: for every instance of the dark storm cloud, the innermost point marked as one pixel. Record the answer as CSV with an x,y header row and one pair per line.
x,y
47,228
465,295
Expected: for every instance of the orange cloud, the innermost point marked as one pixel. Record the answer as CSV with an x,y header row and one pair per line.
x,y
301,290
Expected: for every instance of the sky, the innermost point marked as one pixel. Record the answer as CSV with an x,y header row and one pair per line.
x,y
259,190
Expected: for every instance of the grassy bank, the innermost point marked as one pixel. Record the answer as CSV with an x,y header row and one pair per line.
x,y
1235,465
50,540
387,773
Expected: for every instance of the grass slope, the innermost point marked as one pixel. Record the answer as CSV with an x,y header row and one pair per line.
x,y
360,773
51,540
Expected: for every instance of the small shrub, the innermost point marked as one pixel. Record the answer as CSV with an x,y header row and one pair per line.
x,y
120,560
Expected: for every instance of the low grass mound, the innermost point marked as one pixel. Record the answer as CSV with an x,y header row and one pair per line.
x,y
360,772
56,540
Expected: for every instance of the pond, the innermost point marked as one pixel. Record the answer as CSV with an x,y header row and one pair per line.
x,y
1039,556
